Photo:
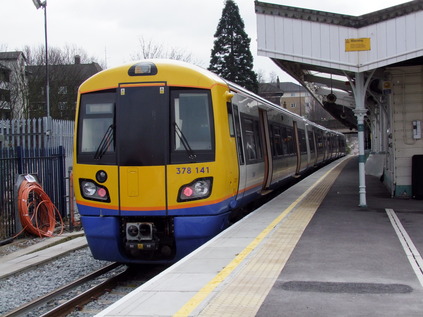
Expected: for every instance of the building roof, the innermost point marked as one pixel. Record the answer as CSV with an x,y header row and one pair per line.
x,y
292,87
11,55
339,19
83,70
280,88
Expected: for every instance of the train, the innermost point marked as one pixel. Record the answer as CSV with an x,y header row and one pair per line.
x,y
166,152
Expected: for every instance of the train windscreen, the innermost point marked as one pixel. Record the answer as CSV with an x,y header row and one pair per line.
x,y
146,126
192,129
96,140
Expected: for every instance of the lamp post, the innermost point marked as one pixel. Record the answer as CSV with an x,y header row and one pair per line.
x,y
38,4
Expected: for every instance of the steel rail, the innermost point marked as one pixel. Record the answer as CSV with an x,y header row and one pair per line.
x,y
20,311
82,299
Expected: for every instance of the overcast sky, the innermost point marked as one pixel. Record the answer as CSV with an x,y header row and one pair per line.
x,y
110,30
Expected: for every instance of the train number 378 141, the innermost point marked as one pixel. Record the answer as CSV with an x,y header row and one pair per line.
x,y
192,170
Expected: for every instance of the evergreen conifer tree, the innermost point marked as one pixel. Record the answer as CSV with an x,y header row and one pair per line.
x,y
231,57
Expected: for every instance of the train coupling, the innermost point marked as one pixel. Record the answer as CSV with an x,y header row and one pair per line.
x,y
140,237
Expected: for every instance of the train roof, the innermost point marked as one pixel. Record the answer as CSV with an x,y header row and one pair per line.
x,y
177,73
267,104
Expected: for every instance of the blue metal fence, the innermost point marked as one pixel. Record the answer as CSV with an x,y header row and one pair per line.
x,y
47,164
40,146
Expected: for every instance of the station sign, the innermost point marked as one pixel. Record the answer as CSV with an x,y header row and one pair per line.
x,y
354,45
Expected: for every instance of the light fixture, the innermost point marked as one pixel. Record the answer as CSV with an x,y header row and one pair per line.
x,y
38,4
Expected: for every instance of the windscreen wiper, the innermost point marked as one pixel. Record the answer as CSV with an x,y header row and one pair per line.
x,y
105,142
184,141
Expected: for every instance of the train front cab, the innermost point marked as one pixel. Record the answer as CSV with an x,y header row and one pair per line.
x,y
144,196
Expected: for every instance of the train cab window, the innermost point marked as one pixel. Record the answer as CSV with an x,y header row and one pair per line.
x,y
96,134
192,126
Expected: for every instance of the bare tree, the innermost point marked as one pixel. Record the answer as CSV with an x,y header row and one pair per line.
x,y
149,50
35,56
261,76
273,77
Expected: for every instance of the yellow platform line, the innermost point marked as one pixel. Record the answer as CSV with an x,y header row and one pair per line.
x,y
244,295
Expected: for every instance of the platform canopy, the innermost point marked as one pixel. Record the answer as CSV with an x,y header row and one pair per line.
x,y
320,49
341,59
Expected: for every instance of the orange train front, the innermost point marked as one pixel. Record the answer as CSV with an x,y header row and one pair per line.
x,y
165,152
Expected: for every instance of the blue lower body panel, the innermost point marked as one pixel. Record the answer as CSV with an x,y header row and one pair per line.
x,y
107,241
103,234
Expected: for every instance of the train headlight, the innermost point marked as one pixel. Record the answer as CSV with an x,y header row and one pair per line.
x,y
88,188
143,69
199,189
93,191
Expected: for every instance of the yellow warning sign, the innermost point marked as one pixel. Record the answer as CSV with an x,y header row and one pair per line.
x,y
353,45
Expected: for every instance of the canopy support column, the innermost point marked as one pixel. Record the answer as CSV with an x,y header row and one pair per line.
x,y
359,87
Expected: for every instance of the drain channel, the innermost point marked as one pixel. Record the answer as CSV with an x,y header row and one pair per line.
x,y
345,287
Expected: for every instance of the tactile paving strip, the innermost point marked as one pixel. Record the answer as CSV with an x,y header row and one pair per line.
x,y
248,289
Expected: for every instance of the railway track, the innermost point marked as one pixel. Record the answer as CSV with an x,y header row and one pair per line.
x,y
118,277
68,306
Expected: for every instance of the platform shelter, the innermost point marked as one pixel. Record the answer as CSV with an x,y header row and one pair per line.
x,y
367,71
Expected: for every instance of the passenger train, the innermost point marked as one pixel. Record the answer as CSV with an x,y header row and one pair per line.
x,y
165,152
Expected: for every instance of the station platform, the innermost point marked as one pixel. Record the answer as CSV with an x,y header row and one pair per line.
x,y
40,253
311,251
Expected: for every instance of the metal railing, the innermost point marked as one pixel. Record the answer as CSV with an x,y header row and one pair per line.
x,y
47,165
36,146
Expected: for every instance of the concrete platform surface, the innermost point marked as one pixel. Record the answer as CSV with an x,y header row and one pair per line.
x,y
41,252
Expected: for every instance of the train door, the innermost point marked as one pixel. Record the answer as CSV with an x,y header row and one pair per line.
x,y
309,148
142,140
267,152
240,150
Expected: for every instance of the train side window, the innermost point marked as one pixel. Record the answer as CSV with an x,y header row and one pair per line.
x,y
319,141
311,141
252,142
277,141
238,136
303,145
230,120
289,140
258,140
